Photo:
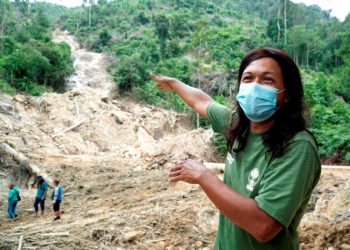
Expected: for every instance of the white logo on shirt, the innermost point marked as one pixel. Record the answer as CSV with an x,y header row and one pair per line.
x,y
253,178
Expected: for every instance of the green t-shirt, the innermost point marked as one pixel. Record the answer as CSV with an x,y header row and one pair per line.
x,y
41,190
282,188
12,195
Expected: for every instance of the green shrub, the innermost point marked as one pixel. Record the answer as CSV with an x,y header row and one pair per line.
x,y
129,72
6,88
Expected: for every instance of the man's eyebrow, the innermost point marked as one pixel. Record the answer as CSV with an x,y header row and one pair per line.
x,y
264,72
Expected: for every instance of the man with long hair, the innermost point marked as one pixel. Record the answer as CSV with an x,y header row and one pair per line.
x,y
272,163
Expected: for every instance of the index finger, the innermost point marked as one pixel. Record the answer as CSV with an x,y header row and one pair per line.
x,y
153,76
175,168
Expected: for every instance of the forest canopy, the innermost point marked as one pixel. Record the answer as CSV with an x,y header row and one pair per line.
x,y
29,60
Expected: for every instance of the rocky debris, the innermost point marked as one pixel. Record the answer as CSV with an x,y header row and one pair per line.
x,y
345,247
132,236
328,225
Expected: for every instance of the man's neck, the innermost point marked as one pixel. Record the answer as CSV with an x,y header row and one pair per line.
x,y
261,127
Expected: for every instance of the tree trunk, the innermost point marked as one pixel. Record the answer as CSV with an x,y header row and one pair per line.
x,y
278,24
90,15
199,81
285,22
2,31
27,5
307,56
24,161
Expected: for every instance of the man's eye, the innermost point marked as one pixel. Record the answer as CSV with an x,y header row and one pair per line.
x,y
247,78
268,79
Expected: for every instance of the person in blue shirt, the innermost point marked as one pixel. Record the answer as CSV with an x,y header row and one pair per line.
x,y
17,190
56,199
40,195
12,202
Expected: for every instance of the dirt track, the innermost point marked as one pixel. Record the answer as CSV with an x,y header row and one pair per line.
x,y
113,169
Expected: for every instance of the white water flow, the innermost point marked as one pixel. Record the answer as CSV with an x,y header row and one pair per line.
x,y
90,67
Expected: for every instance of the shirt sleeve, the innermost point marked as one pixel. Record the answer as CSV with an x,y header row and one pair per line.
x,y
55,193
289,181
219,117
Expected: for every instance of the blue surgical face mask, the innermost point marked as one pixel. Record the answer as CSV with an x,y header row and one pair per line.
x,y
257,101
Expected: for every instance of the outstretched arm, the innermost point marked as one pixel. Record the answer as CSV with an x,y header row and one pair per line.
x,y
195,98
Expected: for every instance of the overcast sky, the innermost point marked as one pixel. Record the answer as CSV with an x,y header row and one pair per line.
x,y
340,8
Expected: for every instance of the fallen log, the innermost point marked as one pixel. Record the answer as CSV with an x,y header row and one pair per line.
x,y
24,161
77,112
20,243
47,243
70,128
64,234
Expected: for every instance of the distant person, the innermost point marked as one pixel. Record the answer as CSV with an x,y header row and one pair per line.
x,y
12,197
272,163
40,195
56,199
18,191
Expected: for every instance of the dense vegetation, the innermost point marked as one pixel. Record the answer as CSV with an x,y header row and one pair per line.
x,y
29,60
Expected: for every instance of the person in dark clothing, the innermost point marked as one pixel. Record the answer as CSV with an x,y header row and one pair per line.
x,y
40,195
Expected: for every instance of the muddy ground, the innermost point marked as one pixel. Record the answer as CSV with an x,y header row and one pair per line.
x,y
113,168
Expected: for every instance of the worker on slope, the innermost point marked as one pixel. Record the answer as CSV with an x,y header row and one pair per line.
x,y
40,195
12,202
56,199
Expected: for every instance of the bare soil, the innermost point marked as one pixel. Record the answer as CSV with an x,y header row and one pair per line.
x,y
113,168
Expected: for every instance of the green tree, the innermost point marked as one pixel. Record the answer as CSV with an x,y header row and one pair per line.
x,y
129,73
104,37
162,32
5,9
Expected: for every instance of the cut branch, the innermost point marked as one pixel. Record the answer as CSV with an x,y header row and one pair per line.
x,y
64,234
99,116
76,108
20,243
70,128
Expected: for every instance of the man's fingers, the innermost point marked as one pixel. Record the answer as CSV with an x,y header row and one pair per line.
x,y
153,76
160,86
175,173
176,168
175,179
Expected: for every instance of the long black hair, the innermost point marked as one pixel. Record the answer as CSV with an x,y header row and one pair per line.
x,y
289,118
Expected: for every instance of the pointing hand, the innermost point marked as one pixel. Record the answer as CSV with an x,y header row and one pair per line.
x,y
163,82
